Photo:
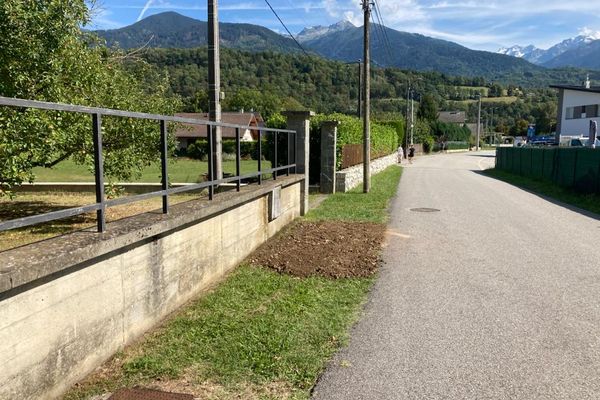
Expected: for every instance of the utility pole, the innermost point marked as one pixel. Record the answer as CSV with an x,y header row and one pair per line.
x,y
493,130
412,118
359,113
478,124
366,4
214,87
407,120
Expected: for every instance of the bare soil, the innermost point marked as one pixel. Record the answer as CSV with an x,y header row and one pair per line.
x,y
332,249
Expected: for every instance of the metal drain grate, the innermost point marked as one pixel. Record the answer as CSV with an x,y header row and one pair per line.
x,y
424,209
147,394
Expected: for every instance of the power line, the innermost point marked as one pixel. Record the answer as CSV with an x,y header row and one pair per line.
x,y
287,30
382,30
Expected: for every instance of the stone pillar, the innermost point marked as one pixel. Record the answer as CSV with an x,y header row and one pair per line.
x,y
328,156
299,121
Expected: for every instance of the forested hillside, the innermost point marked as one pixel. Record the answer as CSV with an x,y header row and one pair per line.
x,y
269,82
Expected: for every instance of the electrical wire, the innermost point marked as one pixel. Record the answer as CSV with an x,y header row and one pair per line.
x,y
383,30
287,30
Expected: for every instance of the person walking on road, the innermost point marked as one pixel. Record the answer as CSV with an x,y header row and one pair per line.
x,y
400,154
411,153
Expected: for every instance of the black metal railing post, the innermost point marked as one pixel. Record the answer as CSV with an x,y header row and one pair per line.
x,y
209,137
259,156
164,179
289,155
99,171
238,158
275,165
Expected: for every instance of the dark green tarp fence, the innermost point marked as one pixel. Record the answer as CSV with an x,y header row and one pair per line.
x,y
577,168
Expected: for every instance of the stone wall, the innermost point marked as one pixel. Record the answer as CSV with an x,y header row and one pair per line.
x,y
67,304
350,178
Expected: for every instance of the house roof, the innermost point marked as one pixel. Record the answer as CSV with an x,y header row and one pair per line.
x,y
199,131
455,117
593,89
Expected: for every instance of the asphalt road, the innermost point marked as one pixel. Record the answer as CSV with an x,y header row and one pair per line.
x,y
496,296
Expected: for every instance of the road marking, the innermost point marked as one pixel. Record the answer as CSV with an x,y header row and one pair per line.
x,y
394,233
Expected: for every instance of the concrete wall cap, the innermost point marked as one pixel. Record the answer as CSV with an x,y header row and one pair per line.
x,y
331,123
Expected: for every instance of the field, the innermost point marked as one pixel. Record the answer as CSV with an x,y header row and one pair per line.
x,y
181,170
492,100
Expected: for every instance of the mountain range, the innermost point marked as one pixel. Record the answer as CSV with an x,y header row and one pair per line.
x,y
342,41
173,30
581,51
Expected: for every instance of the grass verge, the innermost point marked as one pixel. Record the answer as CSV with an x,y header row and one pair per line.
x,y
586,202
356,206
259,334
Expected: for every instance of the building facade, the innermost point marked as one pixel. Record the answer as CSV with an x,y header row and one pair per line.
x,y
577,106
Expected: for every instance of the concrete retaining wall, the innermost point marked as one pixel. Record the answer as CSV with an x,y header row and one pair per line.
x,y
69,303
350,178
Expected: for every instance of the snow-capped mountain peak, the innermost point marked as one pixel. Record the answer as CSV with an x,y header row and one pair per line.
x,y
517,51
314,32
540,56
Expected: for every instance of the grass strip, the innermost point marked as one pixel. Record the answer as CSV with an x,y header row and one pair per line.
x,y
589,202
357,206
259,334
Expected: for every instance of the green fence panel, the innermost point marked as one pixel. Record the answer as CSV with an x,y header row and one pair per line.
x,y
586,174
537,163
548,164
516,162
567,160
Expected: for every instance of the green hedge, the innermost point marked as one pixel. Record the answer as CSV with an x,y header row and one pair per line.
x,y
384,138
199,149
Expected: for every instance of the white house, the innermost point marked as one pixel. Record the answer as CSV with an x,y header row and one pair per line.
x,y
577,106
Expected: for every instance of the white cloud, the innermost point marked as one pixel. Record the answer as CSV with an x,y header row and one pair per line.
x,y
585,31
332,8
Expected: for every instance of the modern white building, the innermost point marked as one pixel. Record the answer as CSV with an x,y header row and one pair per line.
x,y
577,106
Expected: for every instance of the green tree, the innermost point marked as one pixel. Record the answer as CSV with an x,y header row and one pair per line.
x,y
47,56
428,109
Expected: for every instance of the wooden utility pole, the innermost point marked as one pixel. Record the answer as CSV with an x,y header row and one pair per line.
x,y
359,113
214,87
407,118
478,124
366,101
412,118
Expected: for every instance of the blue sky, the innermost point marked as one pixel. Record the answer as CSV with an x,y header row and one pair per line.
x,y
485,25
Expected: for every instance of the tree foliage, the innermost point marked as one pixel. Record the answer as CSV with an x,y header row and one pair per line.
x,y
46,56
428,108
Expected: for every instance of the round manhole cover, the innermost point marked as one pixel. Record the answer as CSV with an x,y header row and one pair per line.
x,y
424,209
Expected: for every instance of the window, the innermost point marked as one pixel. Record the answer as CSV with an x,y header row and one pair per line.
x,y
579,112
570,112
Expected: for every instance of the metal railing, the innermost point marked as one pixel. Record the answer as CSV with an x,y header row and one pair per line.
x,y
102,203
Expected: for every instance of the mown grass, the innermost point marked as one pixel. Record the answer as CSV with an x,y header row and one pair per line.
x,y
356,206
590,202
259,334
181,170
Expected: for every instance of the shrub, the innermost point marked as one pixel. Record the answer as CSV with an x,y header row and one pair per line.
x,y
384,138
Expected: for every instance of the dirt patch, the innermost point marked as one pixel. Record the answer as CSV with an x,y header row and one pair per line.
x,y
332,249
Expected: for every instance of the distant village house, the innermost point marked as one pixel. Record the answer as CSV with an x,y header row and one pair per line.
x,y
189,133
